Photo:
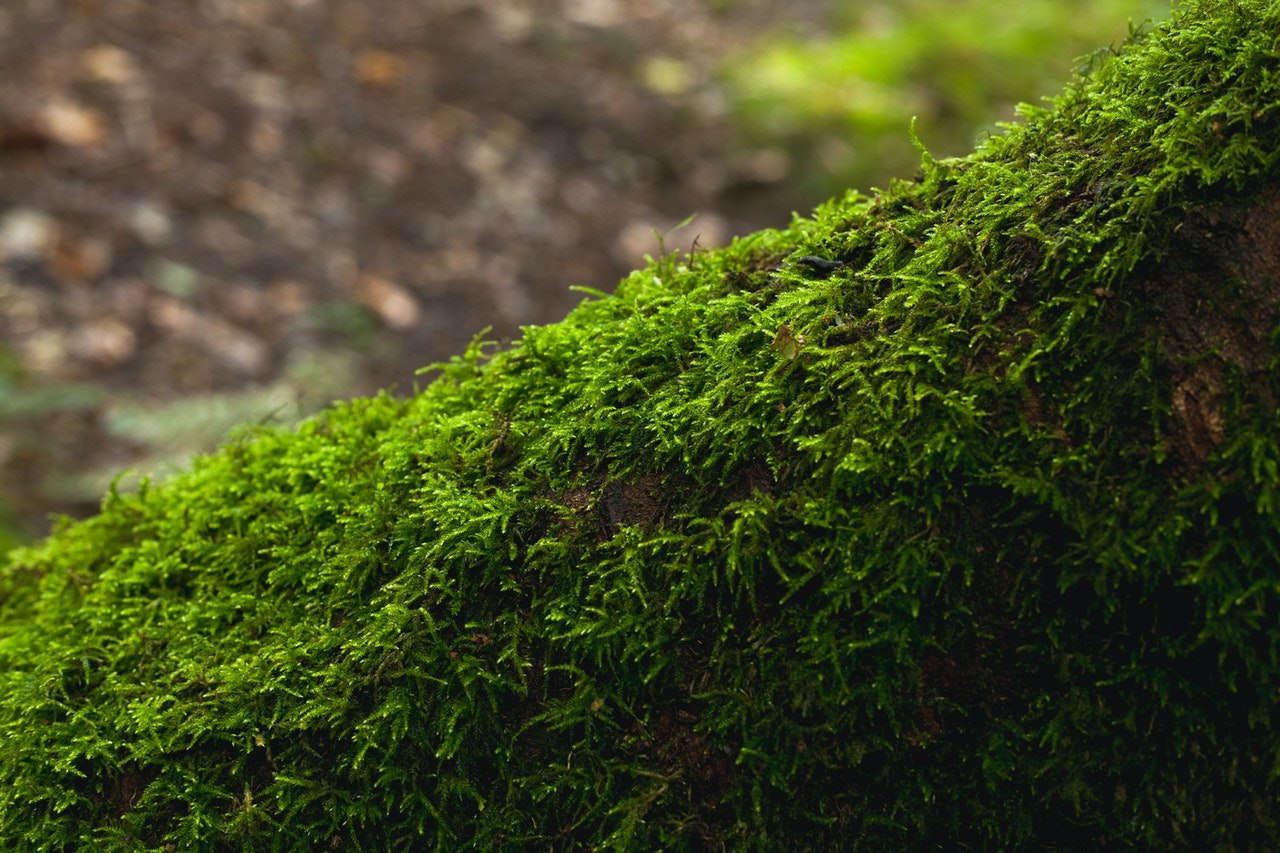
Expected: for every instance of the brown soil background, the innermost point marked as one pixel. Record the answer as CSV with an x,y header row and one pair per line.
x,y
253,208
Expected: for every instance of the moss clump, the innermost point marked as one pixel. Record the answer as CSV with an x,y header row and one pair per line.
x,y
970,538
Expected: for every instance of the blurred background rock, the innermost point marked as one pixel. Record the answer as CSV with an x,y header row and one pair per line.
x,y
215,212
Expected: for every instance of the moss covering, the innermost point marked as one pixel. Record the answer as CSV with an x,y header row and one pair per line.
x,y
970,537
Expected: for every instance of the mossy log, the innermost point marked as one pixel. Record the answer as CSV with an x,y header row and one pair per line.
x,y
946,518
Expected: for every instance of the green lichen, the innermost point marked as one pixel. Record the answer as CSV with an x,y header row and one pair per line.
x,y
971,540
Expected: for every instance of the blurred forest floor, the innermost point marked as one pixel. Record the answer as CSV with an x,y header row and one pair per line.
x,y
215,212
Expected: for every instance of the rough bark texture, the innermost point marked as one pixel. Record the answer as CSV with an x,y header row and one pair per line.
x,y
1218,297
948,517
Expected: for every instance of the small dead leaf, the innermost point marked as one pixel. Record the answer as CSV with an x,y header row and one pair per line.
x,y
110,64
73,124
104,341
391,302
379,68
787,342
288,297
27,234
81,259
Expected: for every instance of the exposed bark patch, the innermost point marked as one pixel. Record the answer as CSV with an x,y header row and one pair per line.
x,y
1217,294
123,789
688,753
1024,255
690,761
976,681
630,502
752,477
615,504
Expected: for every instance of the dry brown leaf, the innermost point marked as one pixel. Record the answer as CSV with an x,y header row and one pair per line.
x,y
391,302
379,68
109,63
73,124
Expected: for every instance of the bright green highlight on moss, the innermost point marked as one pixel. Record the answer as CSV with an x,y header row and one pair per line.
x,y
898,552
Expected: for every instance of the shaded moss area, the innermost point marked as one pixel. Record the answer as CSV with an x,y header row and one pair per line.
x,y
946,516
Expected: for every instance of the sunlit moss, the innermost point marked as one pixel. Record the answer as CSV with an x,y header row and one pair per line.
x,y
918,548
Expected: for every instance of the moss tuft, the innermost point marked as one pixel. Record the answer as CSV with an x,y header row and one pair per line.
x,y
948,516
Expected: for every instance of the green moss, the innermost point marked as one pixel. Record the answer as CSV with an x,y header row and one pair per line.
x,y
972,540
